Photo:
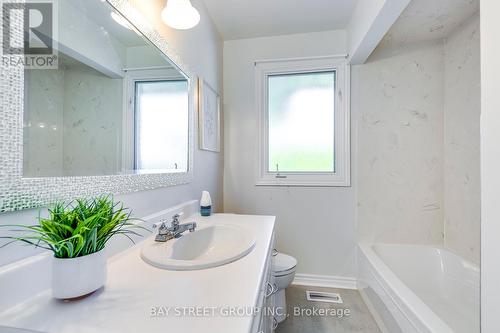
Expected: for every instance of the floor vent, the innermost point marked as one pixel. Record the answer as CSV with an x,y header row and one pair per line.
x,y
318,296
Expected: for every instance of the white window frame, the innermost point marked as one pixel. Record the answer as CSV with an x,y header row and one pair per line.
x,y
341,176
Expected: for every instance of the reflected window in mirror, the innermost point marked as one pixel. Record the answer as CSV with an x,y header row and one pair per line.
x,y
160,125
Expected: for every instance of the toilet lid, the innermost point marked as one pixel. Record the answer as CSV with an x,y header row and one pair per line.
x,y
283,262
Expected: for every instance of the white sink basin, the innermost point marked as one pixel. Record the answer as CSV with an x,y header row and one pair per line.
x,y
208,246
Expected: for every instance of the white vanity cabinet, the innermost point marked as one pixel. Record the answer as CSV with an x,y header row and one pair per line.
x,y
264,321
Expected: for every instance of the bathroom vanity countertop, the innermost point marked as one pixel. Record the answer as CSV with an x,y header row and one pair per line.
x,y
135,291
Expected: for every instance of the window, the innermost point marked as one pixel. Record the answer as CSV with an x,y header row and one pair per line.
x,y
304,122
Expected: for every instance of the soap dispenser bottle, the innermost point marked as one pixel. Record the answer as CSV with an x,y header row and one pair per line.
x,y
205,204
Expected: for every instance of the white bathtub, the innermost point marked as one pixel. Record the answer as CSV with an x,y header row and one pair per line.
x,y
419,288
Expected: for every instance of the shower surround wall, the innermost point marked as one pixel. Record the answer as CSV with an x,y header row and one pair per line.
x,y
418,142
398,95
462,106
92,120
76,114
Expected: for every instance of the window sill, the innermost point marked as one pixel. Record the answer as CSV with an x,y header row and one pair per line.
x,y
298,183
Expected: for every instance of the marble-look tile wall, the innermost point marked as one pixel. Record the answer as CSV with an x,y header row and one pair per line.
x,y
462,106
93,114
418,109
398,98
43,123
73,123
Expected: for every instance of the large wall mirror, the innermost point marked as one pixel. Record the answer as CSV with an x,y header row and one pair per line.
x,y
114,106
115,115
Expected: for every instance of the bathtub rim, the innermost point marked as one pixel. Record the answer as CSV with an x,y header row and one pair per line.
x,y
414,309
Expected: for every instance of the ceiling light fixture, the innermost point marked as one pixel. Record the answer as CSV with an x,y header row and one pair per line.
x,y
180,14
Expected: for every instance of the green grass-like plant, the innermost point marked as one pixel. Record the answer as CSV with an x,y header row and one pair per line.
x,y
79,228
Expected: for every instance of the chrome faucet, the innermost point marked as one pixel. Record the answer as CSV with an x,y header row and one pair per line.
x,y
174,231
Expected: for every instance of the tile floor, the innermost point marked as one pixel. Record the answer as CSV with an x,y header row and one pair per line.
x,y
359,319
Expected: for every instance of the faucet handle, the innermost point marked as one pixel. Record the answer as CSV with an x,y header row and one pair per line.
x,y
175,219
159,225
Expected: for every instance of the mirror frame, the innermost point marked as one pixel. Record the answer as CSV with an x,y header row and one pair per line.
x,y
17,192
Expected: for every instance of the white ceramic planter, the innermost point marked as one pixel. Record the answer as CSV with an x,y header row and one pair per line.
x,y
80,276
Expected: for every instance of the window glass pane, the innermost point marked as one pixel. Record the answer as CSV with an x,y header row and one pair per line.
x,y
161,125
301,122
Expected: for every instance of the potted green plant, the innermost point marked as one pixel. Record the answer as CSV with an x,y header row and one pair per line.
x,y
77,234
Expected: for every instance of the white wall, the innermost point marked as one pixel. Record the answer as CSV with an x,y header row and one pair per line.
x,y
462,106
144,56
398,98
315,225
490,166
201,49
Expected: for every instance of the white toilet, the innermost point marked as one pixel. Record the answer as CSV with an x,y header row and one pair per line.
x,y
284,272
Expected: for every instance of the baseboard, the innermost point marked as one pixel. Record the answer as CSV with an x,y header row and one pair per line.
x,y
328,281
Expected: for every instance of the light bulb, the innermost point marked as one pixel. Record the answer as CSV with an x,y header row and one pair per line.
x,y
180,14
